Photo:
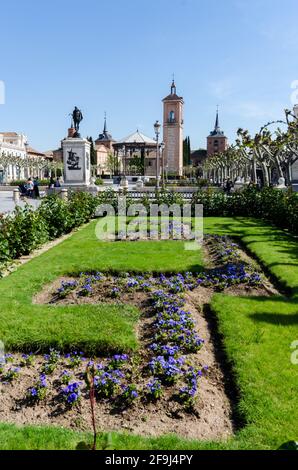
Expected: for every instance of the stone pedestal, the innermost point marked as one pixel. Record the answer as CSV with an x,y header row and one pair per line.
x,y
124,182
76,160
140,183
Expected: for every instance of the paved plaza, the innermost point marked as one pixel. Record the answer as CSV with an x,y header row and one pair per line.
x,y
7,203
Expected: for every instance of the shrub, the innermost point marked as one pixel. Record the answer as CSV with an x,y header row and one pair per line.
x,y
276,207
25,229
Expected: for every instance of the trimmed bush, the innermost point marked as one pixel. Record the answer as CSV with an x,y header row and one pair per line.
x,y
26,229
273,206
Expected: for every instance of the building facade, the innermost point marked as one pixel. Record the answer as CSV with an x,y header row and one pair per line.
x,y
12,145
217,142
19,161
173,132
136,154
104,149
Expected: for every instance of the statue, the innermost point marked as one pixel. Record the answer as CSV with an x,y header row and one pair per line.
x,y
73,161
77,117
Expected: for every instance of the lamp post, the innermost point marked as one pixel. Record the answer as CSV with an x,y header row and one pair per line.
x,y
157,131
162,147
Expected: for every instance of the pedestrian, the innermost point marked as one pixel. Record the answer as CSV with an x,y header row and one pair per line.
x,y
29,187
52,183
229,186
35,187
57,183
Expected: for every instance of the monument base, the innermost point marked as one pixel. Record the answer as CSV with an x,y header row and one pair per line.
x,y
76,160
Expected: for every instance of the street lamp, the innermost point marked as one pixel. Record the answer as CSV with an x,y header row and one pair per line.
x,y
162,147
157,131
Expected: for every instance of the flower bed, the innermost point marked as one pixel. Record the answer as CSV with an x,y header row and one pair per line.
x,y
174,381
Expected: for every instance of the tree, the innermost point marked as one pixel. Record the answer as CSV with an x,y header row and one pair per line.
x,y
136,165
186,152
113,164
93,156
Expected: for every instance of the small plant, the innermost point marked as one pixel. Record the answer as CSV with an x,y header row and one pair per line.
x,y
115,293
11,374
27,360
72,393
187,394
86,290
131,284
75,359
155,391
130,393
65,288
168,370
39,391
117,361
65,377
8,357
107,384
52,360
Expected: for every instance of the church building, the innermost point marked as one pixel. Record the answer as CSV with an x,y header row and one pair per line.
x,y
217,142
173,132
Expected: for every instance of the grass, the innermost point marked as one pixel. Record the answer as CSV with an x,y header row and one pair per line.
x,y
276,250
256,332
257,336
25,326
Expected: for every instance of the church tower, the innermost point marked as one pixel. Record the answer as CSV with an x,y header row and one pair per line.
x,y
173,132
217,142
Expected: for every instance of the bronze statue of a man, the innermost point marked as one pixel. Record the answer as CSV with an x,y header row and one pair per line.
x,y
77,117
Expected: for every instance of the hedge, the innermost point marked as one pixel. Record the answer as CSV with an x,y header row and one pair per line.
x,y
26,229
274,206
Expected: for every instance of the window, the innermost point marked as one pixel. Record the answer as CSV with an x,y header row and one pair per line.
x,y
172,116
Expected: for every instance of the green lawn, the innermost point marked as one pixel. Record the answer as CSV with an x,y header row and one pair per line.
x,y
276,250
256,332
24,326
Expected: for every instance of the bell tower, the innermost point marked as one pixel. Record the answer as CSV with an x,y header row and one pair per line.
x,y
173,131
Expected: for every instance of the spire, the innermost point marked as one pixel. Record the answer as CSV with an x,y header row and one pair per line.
x,y
105,124
173,86
216,128
217,132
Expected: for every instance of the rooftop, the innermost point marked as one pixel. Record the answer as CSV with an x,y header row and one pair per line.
x,y
137,138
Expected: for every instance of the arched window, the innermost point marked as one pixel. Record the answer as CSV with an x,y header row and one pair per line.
x,y
172,116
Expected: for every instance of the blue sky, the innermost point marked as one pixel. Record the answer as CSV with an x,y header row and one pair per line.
x,y
118,56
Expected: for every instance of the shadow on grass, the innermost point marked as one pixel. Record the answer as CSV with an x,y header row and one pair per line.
x,y
229,377
276,318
